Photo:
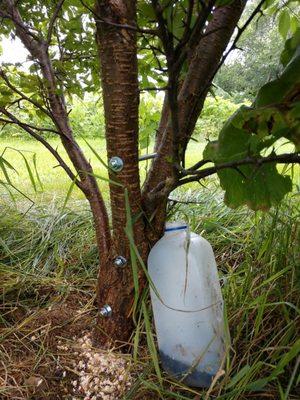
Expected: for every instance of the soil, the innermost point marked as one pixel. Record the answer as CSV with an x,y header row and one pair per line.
x,y
32,364
43,354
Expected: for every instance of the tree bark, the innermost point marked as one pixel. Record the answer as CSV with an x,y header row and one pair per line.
x,y
203,62
119,78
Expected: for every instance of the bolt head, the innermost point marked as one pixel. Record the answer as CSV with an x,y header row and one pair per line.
x,y
120,261
116,164
106,311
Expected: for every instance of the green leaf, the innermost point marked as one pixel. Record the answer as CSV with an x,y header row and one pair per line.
x,y
69,192
133,257
290,48
249,132
146,10
280,368
284,23
239,375
8,164
3,167
294,24
37,171
257,187
95,153
30,173
267,4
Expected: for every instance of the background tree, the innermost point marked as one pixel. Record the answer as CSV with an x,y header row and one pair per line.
x,y
255,61
188,41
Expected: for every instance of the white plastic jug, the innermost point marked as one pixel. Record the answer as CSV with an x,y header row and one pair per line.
x,y
187,305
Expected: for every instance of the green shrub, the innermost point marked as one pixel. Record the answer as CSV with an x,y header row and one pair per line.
x,y
215,112
150,111
87,117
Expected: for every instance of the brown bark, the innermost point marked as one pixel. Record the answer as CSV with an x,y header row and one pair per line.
x,y
119,77
203,62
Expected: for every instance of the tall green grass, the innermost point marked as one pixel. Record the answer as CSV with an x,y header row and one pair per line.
x,y
37,175
256,253
258,260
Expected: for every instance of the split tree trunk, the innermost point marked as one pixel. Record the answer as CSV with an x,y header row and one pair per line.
x,y
203,63
119,76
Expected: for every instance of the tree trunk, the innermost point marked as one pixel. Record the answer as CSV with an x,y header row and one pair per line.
x,y
203,64
136,215
119,77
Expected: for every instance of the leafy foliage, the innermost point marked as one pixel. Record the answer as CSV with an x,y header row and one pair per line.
x,y
149,115
215,112
87,116
249,133
254,63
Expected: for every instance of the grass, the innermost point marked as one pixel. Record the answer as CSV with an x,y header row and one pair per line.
x,y
48,269
53,178
54,183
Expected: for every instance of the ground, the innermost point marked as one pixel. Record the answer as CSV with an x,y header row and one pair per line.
x,y
49,354
48,271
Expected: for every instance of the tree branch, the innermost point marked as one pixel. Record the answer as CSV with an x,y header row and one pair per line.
x,y
173,74
53,19
7,121
30,130
194,176
204,62
155,50
164,34
192,36
22,95
38,48
206,57
196,166
128,27
102,20
21,25
157,89
147,156
239,34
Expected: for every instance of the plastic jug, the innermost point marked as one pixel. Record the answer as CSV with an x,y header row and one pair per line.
x,y
187,305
